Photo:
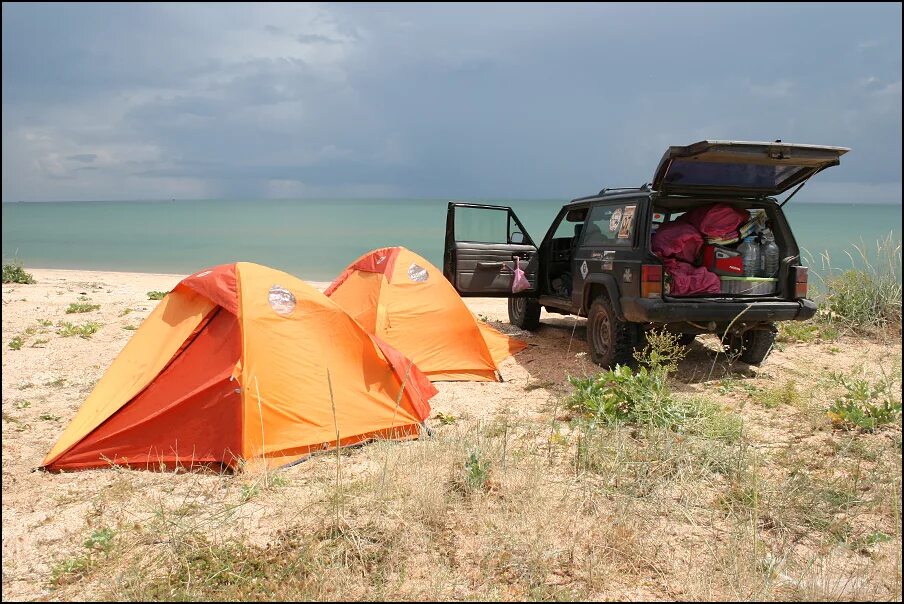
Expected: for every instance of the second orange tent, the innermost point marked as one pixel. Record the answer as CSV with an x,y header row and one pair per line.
x,y
401,298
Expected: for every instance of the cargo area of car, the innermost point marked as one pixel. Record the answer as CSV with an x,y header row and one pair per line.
x,y
722,249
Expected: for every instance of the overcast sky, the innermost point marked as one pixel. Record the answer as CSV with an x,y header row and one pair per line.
x,y
521,101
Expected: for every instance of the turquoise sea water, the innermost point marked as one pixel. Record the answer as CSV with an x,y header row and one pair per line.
x,y
316,239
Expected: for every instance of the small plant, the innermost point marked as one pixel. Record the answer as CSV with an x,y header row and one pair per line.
x,y
155,295
806,332
16,343
101,541
130,327
864,405
86,330
39,343
80,307
249,491
57,383
445,418
786,394
45,322
125,311
49,417
23,404
625,395
14,273
476,471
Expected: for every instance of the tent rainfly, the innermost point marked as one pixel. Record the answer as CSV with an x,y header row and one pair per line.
x,y
243,363
405,301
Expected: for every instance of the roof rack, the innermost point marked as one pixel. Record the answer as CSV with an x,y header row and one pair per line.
x,y
644,187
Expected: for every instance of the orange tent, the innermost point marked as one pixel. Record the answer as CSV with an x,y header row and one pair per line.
x,y
403,299
241,363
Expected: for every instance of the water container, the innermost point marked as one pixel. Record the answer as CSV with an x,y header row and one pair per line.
x,y
770,255
750,254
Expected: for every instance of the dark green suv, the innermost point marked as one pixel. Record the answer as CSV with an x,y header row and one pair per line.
x,y
596,260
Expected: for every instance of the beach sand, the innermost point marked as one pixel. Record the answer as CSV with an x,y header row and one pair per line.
x,y
46,516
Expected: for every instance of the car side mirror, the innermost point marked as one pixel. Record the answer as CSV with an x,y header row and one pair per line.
x,y
517,237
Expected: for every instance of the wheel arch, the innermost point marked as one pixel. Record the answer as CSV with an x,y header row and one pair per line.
x,y
597,285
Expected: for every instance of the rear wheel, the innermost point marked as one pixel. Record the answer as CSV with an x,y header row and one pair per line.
x,y
524,312
611,341
751,347
686,339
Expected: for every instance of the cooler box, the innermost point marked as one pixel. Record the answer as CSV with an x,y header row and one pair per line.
x,y
750,286
722,261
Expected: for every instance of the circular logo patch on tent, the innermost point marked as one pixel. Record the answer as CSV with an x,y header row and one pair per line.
x,y
418,273
282,301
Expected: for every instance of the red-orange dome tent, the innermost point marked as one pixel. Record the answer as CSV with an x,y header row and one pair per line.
x,y
242,363
404,300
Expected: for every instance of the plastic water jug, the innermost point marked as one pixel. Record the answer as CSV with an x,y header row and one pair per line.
x,y
769,255
750,253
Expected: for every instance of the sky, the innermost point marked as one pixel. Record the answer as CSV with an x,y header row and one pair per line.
x,y
259,101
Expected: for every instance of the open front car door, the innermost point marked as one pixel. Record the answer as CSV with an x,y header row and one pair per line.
x,y
482,242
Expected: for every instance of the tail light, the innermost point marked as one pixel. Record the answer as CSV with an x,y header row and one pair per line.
x,y
651,280
800,281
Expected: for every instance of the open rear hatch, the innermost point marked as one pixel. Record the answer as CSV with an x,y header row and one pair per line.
x,y
740,168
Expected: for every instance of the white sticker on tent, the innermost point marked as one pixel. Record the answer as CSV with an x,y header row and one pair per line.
x,y
282,301
203,273
418,273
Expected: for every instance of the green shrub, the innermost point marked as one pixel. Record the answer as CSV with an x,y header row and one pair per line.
x,y
14,273
639,396
16,343
476,472
86,330
155,295
864,405
79,307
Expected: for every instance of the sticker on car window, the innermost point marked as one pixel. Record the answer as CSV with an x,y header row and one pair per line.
x,y
615,219
625,231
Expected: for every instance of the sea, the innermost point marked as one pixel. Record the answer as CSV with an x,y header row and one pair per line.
x,y
316,239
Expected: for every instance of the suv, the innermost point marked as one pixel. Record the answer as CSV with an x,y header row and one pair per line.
x,y
596,260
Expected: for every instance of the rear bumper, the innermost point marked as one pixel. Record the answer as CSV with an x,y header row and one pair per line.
x,y
639,310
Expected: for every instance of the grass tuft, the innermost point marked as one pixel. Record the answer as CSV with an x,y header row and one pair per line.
x,y
14,273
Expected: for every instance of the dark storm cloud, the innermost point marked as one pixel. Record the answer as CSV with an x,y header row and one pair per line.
x,y
433,100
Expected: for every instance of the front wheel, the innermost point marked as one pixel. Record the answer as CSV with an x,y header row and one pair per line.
x,y
524,312
611,341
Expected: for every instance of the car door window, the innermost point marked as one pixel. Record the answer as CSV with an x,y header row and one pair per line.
x,y
611,225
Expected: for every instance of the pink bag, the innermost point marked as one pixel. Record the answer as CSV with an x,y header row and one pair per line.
x,y
717,220
688,279
520,282
677,240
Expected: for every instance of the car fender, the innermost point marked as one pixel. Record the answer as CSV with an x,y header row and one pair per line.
x,y
594,285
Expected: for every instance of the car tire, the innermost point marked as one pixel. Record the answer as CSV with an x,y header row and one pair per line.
x,y
611,341
752,347
686,339
524,312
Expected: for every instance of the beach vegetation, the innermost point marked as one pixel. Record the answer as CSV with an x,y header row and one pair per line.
x,y
39,343
45,322
130,327
22,404
866,297
156,295
16,343
81,307
86,330
866,404
13,272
